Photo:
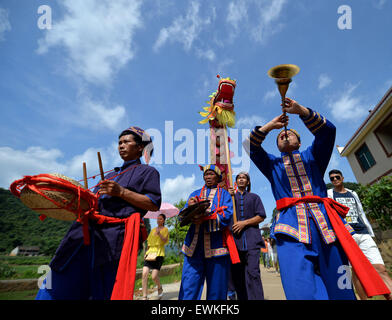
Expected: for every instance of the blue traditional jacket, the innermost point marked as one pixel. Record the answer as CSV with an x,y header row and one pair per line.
x,y
299,174
107,239
209,234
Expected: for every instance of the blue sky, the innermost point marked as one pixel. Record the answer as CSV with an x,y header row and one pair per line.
x,y
68,91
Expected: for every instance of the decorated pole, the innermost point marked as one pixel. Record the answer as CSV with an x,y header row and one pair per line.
x,y
220,115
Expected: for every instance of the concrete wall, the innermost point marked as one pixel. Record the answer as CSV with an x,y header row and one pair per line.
x,y
383,163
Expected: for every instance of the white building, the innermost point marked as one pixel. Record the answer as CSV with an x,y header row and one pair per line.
x,y
369,150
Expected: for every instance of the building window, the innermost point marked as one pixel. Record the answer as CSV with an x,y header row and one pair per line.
x,y
365,158
384,135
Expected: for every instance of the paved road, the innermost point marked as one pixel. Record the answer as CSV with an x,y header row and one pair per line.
x,y
271,283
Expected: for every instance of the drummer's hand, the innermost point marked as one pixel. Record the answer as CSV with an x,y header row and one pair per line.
x,y
192,201
293,107
197,219
231,191
110,188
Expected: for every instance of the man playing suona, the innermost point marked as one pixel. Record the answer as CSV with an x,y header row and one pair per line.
x,y
309,254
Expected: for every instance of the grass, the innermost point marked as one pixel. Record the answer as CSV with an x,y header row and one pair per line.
x,y
174,277
15,272
18,295
30,294
20,260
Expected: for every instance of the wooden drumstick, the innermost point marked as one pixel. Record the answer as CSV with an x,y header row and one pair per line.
x,y
85,175
100,166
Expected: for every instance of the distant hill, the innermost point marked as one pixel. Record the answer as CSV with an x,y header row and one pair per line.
x,y
20,225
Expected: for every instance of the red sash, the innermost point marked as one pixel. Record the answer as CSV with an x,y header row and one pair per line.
x,y
126,273
367,275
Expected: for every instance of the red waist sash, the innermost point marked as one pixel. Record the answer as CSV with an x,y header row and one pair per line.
x,y
124,285
367,275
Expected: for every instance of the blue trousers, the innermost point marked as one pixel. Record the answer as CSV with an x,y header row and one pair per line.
x,y
313,271
197,269
80,280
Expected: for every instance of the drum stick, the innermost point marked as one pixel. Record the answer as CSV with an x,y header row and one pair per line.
x,y
100,166
85,175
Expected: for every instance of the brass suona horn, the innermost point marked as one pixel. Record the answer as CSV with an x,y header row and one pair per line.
x,y
282,75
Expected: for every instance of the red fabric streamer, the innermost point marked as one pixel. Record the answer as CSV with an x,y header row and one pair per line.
x,y
126,273
367,275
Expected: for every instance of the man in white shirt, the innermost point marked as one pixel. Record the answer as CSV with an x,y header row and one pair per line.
x,y
363,230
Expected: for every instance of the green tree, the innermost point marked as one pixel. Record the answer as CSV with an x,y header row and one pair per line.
x,y
350,185
377,202
19,225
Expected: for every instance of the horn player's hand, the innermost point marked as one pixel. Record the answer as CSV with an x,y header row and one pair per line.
x,y
276,123
293,107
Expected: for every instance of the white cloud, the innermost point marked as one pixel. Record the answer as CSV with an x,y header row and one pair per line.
x,y
97,35
4,23
95,114
324,81
379,4
37,160
269,20
384,88
184,30
271,94
260,29
237,12
249,122
178,188
207,54
334,163
347,106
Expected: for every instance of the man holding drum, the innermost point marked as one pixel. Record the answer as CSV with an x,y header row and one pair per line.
x,y
95,271
206,253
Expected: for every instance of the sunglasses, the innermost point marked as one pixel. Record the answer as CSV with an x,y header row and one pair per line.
x,y
332,178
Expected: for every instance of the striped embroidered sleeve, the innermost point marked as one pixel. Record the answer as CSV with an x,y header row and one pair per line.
x,y
252,146
314,122
256,137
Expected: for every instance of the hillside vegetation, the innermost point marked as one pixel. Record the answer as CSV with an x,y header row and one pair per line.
x,y
20,225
